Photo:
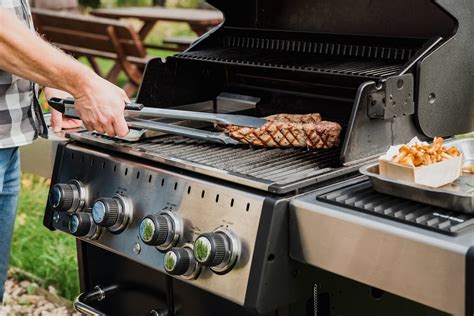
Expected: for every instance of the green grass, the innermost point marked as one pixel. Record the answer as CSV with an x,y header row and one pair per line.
x,y
51,256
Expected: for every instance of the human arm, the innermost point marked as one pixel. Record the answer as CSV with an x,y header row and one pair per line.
x,y
23,53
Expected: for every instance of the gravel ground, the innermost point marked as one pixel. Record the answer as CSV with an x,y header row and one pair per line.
x,y
26,298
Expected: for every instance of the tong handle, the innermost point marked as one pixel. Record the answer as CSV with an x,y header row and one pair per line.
x,y
240,120
60,104
66,106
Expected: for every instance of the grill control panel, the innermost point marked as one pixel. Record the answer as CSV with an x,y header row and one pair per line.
x,y
192,229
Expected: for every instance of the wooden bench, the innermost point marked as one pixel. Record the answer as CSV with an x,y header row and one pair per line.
x,y
94,37
180,42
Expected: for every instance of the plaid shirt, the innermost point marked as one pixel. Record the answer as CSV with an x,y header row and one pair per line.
x,y
21,119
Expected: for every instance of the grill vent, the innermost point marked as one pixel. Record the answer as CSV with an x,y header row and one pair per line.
x,y
362,197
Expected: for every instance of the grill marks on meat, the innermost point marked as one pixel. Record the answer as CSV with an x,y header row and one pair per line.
x,y
287,130
295,118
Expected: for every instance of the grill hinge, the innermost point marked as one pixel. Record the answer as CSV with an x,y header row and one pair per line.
x,y
393,99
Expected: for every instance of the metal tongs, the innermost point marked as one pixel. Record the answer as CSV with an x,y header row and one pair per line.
x,y
133,112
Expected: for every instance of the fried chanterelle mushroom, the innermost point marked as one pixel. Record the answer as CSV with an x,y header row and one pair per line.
x,y
423,155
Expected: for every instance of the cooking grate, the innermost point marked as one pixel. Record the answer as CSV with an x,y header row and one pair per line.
x,y
371,69
273,170
315,53
362,197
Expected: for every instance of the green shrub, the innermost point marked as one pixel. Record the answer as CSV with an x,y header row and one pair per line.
x,y
184,3
90,3
123,3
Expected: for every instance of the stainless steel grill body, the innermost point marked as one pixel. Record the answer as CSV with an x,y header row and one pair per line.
x,y
203,205
398,256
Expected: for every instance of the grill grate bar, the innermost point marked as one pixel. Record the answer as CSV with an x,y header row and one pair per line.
x,y
302,46
248,158
320,64
282,166
297,169
362,197
277,166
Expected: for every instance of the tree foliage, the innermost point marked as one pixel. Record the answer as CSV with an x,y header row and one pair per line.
x,y
90,3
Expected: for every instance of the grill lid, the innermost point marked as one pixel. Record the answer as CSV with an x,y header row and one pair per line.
x,y
402,18
386,70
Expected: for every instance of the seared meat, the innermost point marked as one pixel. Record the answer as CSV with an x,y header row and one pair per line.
x,y
284,130
295,118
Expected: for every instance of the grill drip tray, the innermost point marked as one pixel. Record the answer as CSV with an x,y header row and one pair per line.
x,y
274,170
363,198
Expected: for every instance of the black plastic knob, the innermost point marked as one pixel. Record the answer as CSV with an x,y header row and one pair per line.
x,y
177,261
154,229
80,224
106,211
61,196
210,249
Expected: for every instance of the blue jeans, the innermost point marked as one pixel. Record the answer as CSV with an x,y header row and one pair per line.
x,y
9,189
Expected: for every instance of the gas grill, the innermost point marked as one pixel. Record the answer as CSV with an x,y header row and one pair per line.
x,y
170,225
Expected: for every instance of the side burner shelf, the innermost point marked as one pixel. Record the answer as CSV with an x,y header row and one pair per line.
x,y
363,198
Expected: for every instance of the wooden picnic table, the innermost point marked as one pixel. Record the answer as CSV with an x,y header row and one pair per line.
x,y
199,20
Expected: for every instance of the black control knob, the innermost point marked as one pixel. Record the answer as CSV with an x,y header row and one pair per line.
x,y
179,261
106,211
61,197
80,224
114,213
68,197
155,229
219,250
162,230
210,249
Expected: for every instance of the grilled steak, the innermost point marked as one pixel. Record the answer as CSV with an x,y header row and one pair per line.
x,y
284,130
295,118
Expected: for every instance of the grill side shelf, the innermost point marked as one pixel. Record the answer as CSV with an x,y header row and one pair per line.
x,y
363,198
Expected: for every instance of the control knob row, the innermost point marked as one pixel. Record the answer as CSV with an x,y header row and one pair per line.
x,y
219,251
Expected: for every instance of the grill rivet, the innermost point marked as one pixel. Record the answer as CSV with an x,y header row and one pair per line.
x,y
432,98
137,248
56,217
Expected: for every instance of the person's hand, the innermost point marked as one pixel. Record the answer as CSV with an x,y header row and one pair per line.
x,y
58,121
101,104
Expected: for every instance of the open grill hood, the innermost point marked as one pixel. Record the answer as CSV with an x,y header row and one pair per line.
x,y
386,70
